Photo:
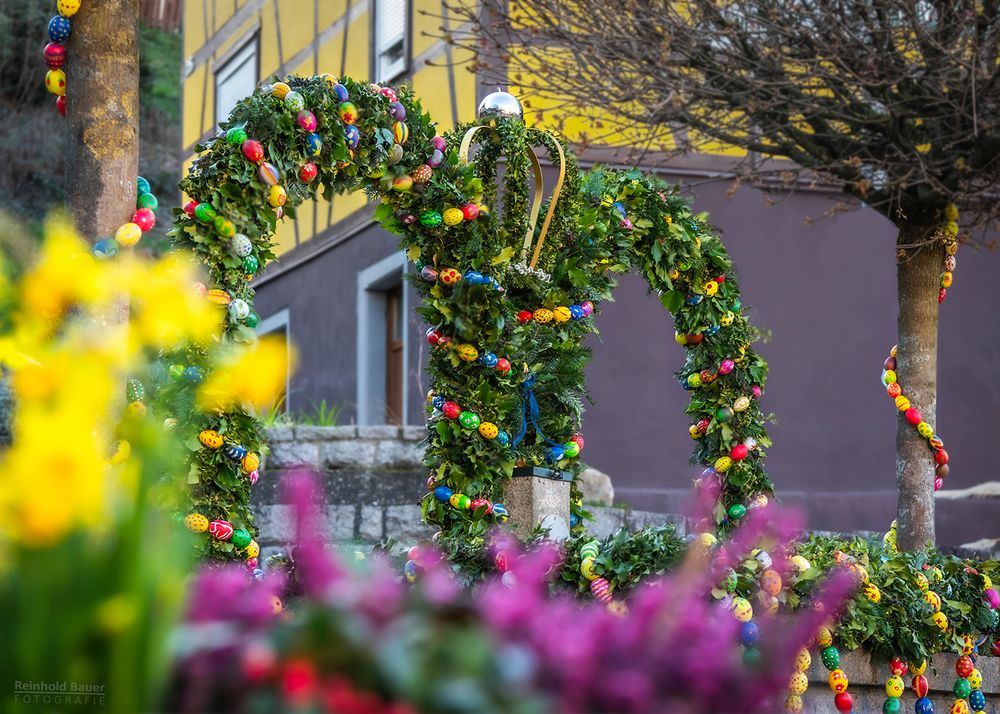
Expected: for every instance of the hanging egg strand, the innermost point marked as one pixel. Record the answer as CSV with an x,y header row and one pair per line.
x,y
128,234
889,377
556,315
837,679
468,420
468,353
59,29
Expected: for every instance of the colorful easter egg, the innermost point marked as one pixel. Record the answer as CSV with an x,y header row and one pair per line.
x,y
838,681
221,530
340,92
250,462
268,173
55,55
468,420
590,549
442,493
252,550
430,219
451,410
240,246
306,120
562,314
459,501
481,503
500,511
68,8
400,132
314,144
543,316
236,136
210,438
722,464
449,276
601,590
294,102
894,686
235,451
348,113
453,216
488,430
571,450
467,353
770,581
253,150
55,82
196,522
241,538
873,593
802,660
128,234
964,666
742,609
940,619
219,297
59,29
277,196
280,90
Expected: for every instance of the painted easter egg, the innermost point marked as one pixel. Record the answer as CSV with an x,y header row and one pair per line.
x,y
210,438
488,430
468,420
239,309
221,530
449,276
340,92
467,353
590,549
240,245
253,150
742,609
442,493
55,82
543,315
459,501
500,511
451,410
294,102
128,234
277,196
252,550
453,216
314,144
55,55
348,113
219,296
241,538
838,681
280,90
770,581
562,314
601,590
400,132
430,219
250,462
196,522
59,29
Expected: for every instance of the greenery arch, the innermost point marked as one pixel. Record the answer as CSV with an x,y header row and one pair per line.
x,y
508,386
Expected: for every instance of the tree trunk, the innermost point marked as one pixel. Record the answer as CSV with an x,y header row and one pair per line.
x,y
102,110
918,274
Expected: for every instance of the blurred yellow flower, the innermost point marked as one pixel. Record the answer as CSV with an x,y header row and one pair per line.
x,y
255,376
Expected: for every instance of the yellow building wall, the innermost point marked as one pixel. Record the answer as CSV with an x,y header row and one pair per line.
x,y
286,29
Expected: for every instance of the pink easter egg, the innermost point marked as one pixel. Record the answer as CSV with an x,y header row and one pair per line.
x,y
600,589
306,120
253,476
727,366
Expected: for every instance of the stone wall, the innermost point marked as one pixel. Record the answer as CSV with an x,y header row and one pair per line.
x,y
373,481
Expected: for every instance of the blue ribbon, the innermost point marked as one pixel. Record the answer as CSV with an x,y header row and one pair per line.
x,y
529,411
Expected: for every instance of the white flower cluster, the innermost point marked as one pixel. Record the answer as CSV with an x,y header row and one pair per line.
x,y
526,270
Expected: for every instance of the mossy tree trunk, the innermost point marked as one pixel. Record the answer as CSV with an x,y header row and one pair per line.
x,y
102,112
918,274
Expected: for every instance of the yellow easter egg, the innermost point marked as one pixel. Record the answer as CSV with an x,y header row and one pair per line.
x,y
921,582
987,581
975,679
873,593
918,668
824,638
706,540
723,463
488,430
467,353
770,581
800,564
277,196
453,216
798,683
933,599
587,569
902,403
136,409
925,430
741,404
894,686
562,314
252,550
951,247
742,609
838,681
250,462
802,660
280,89
219,296
940,619
793,703
951,212
128,234
968,645
210,439
55,82
196,522
727,319
543,315
68,8
710,288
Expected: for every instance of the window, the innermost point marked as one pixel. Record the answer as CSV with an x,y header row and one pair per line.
x,y
235,78
390,44
382,348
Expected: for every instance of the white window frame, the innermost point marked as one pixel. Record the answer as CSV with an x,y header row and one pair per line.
x,y
386,35
243,53
373,281
280,322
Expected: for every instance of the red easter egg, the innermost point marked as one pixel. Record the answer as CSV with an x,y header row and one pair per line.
x,y
942,295
938,483
388,93
189,208
61,104
920,685
478,503
941,457
703,425
503,366
738,453
913,416
470,211
844,702
451,410
55,55
501,561
433,336
964,666
524,316
695,339
144,218
995,649
721,279
307,172
220,530
253,150
894,390
898,667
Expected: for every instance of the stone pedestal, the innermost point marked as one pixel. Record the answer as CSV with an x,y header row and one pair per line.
x,y
538,497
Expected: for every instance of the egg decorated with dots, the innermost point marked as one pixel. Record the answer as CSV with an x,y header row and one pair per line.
x,y
252,550
241,538
925,430
468,420
449,276
940,619
59,29
196,522
722,464
742,609
770,581
467,353
727,318
543,315
210,439
873,593
488,430
453,216
798,683
460,501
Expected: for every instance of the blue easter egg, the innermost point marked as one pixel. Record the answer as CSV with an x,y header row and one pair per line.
x,y
489,359
923,706
438,401
410,570
500,511
105,248
694,299
352,136
235,451
619,208
142,186
749,634
574,520
59,29
576,312
712,330
503,438
315,143
473,278
258,574
341,93
737,304
554,454
977,700
442,493
193,375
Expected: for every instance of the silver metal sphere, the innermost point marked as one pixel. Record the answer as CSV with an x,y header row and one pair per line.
x,y
500,105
